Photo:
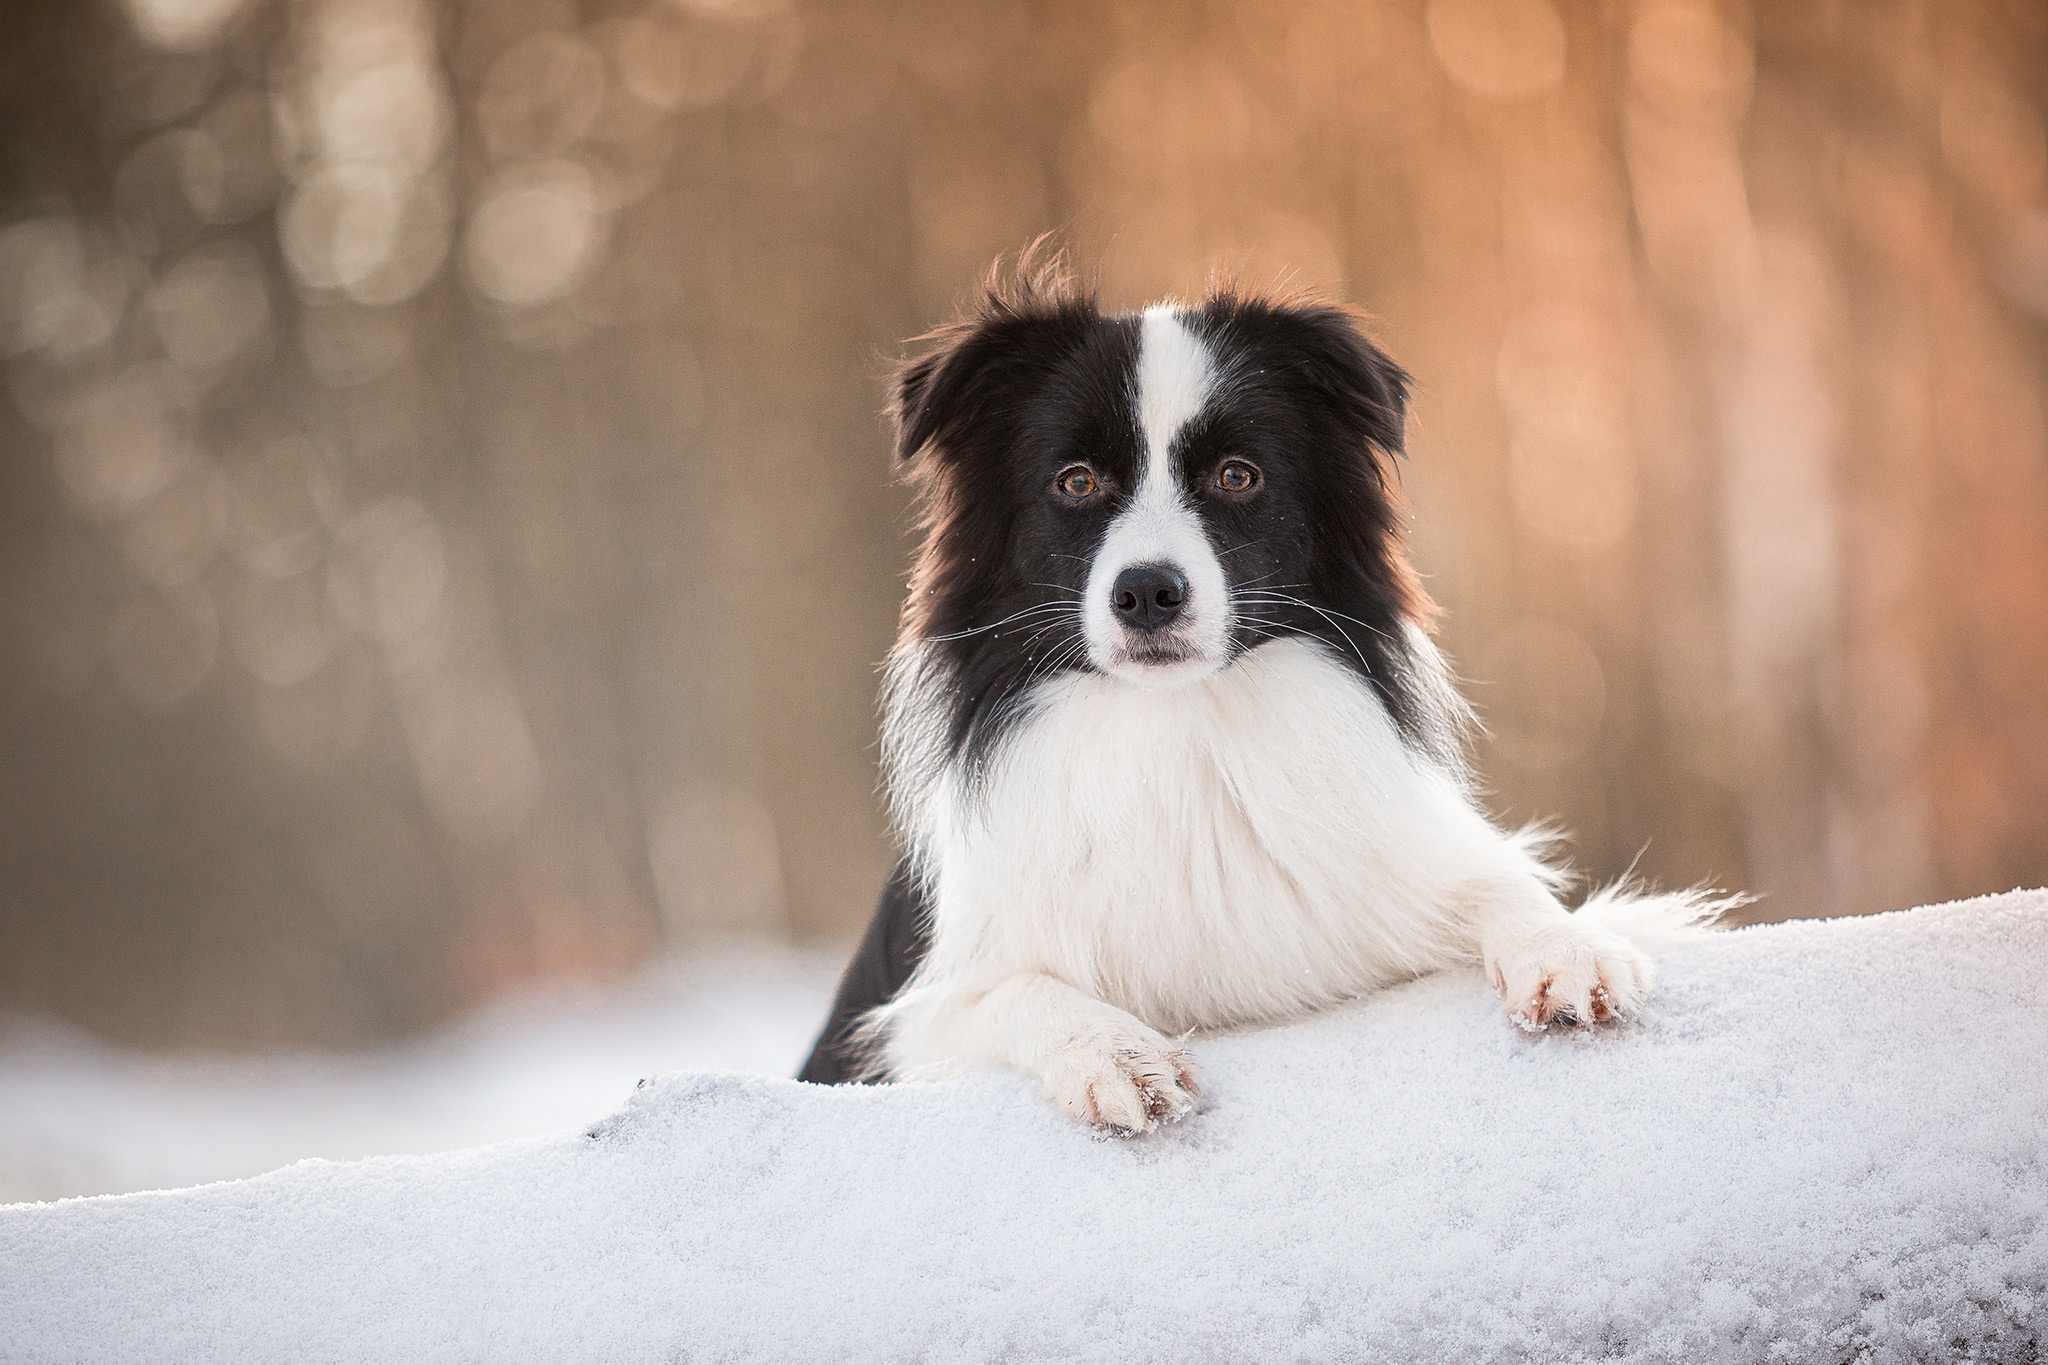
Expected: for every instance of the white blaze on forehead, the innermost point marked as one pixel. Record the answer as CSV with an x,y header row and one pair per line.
x,y
1159,525
1175,375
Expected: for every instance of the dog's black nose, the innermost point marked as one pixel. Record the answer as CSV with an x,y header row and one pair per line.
x,y
1149,596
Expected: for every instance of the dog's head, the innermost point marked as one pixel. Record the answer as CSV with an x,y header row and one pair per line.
x,y
1152,496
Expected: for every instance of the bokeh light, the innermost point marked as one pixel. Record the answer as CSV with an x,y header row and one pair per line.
x,y
451,533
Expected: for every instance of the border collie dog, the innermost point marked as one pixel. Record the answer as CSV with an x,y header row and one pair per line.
x,y
1165,737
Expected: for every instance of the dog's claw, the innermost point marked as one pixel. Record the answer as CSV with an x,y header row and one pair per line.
x,y
1126,1089
1570,974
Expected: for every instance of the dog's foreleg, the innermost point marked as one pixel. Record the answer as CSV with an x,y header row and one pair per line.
x,y
1098,1063
1547,963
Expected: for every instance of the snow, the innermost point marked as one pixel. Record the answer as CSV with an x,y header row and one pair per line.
x,y
1824,1143
80,1117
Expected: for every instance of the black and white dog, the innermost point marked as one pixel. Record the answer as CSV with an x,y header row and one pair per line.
x,y
1165,738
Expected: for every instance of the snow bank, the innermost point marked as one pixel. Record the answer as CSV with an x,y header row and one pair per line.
x,y
1824,1144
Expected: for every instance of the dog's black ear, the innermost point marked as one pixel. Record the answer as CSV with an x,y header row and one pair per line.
x,y
1021,319
1348,369
931,392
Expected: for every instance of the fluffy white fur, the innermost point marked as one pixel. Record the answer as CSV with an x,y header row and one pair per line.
x,y
1156,852
1139,864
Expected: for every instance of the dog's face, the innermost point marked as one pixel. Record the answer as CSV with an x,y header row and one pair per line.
x,y
1152,496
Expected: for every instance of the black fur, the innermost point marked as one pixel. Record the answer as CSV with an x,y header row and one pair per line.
x,y
1321,409
989,419
891,949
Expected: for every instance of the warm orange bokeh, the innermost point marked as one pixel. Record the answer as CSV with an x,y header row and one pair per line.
x,y
449,534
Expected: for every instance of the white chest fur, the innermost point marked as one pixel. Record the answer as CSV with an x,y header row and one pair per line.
x,y
1244,848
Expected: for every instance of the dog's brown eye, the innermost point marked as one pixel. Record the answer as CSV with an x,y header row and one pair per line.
x,y
1237,477
1077,483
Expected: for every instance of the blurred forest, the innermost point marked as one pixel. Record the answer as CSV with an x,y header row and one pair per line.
x,y
447,533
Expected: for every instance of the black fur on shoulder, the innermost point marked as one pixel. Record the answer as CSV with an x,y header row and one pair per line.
x,y
890,950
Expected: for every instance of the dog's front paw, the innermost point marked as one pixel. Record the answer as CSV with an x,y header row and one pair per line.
x,y
1125,1083
1571,973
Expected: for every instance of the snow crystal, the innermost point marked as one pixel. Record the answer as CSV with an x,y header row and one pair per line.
x,y
1823,1143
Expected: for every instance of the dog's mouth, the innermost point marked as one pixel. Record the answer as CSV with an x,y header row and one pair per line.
x,y
1159,663
1159,655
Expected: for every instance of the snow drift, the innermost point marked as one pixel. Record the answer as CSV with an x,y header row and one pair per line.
x,y
1823,1144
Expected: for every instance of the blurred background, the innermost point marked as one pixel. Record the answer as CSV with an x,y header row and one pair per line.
x,y
447,533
